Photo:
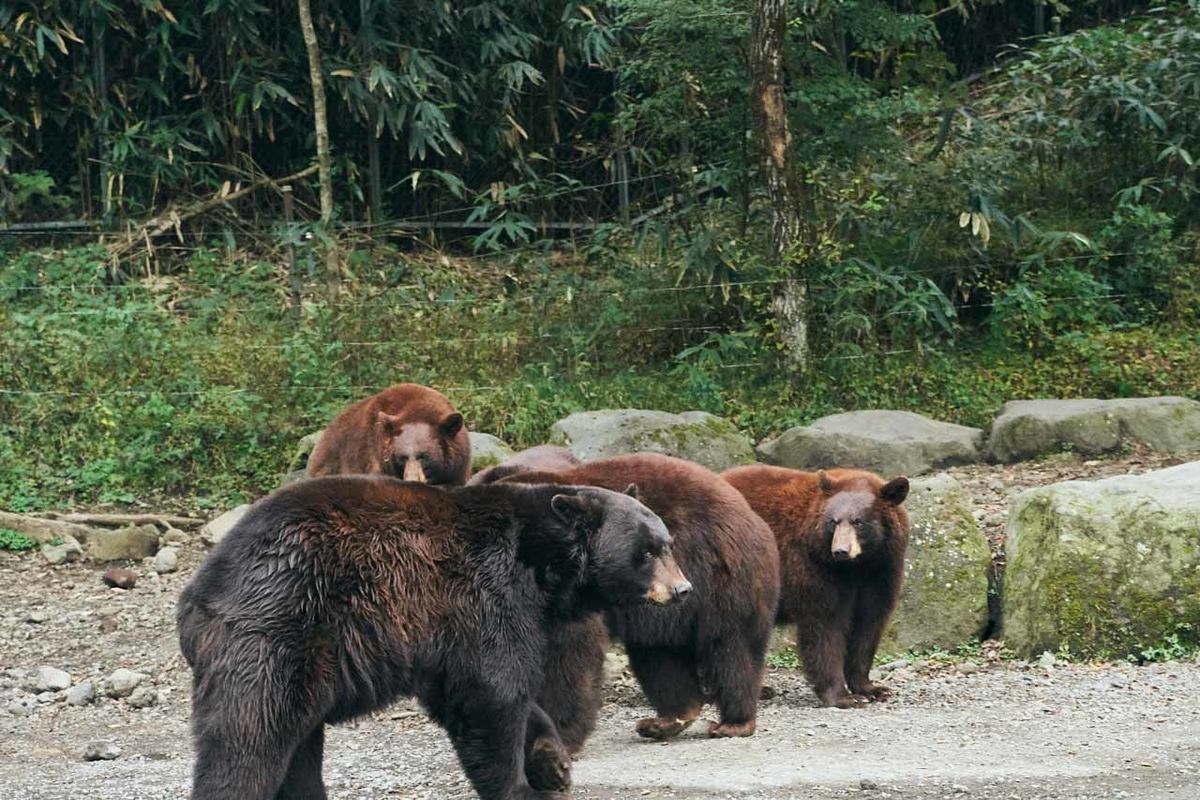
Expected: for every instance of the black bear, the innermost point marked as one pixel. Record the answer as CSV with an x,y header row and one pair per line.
x,y
406,431
710,648
842,537
543,458
335,596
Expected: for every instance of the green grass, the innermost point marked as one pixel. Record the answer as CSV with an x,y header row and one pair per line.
x,y
15,542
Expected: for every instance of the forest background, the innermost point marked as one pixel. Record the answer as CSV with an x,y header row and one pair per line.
x,y
545,207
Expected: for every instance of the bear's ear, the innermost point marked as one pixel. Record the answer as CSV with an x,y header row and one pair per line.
x,y
632,491
572,508
452,424
895,491
824,482
389,422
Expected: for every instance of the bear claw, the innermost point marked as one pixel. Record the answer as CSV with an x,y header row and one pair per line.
x,y
663,727
727,730
852,701
548,767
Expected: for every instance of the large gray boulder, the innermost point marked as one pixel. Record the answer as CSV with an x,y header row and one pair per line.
x,y
887,442
1030,428
217,529
1105,567
944,602
488,451
692,435
132,543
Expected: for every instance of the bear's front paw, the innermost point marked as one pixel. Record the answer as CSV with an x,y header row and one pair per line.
x,y
877,692
548,766
726,730
851,701
662,727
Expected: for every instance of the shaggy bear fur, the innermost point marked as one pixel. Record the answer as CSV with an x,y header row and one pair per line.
x,y
543,458
335,596
406,431
842,536
708,648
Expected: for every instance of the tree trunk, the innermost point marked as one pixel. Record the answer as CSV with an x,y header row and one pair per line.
x,y
784,187
321,121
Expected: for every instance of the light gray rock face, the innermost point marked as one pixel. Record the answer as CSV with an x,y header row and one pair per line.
x,y
82,694
217,529
122,682
1106,568
888,442
693,435
101,751
943,603
67,552
1030,428
166,560
488,451
304,448
50,679
133,542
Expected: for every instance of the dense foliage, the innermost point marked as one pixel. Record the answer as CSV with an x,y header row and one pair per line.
x,y
988,221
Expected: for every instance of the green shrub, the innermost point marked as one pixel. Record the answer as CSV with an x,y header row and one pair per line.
x,y
15,542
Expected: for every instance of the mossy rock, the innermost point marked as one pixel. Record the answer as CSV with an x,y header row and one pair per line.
x,y
1104,568
488,451
304,448
888,442
1028,429
693,435
944,601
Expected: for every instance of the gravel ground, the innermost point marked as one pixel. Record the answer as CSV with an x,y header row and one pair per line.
x,y
987,729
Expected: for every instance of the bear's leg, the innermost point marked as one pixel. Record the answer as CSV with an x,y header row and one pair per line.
x,y
871,614
736,669
303,780
668,677
489,738
547,761
573,682
821,633
233,767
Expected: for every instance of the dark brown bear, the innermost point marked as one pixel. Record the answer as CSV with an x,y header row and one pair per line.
x,y
543,458
406,431
335,596
842,536
708,648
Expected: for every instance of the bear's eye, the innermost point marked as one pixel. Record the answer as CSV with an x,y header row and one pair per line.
x,y
423,456
857,521
648,556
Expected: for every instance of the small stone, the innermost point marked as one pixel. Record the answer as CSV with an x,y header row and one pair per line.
x,y
120,578
893,665
50,679
175,536
868,786
1047,661
968,668
67,552
108,625
23,706
122,682
958,788
902,675
167,560
81,694
37,617
142,697
101,751
766,692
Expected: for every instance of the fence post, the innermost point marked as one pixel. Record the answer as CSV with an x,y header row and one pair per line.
x,y
293,272
1056,25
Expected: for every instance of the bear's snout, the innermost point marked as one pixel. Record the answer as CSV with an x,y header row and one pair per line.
x,y
845,546
668,585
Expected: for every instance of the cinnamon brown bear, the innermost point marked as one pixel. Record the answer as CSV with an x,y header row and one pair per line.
x,y
842,536
335,596
543,458
708,648
406,431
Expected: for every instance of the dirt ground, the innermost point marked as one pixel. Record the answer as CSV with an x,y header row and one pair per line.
x,y
987,729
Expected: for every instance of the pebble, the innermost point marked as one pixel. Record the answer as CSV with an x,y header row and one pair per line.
x,y
23,706
50,679
81,694
108,625
868,786
167,560
119,578
1047,660
101,751
967,668
142,697
37,617
122,682
67,552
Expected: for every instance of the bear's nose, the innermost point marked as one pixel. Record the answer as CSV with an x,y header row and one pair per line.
x,y
681,590
841,554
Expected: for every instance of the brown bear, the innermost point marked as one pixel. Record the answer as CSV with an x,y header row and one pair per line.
x,y
406,431
335,596
543,458
709,648
842,536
